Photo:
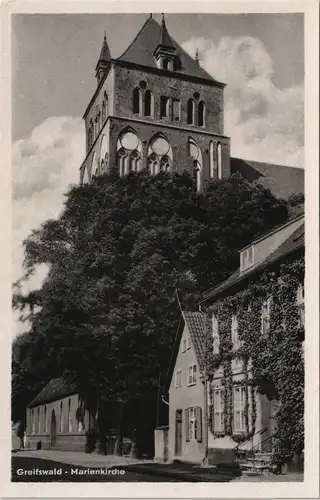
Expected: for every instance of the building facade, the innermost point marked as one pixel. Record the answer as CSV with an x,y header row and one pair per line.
x,y
186,437
155,108
231,342
55,421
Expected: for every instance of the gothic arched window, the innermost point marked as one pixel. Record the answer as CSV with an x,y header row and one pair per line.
x,y
153,164
122,161
195,153
190,112
103,113
148,103
90,134
129,152
213,164
219,160
165,164
94,166
134,161
136,101
103,154
201,113
159,155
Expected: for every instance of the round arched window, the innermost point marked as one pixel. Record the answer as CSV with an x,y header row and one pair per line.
x,y
129,152
129,141
159,155
160,146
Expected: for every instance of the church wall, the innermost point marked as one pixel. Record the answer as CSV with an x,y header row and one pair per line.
x,y
178,139
73,439
96,106
170,86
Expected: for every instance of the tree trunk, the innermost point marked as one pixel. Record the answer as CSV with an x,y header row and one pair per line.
x,y
119,439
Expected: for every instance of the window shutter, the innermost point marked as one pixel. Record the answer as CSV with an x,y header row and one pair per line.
x,y
199,424
186,413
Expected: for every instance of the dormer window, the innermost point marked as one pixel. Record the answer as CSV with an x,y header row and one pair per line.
x,y
246,258
165,53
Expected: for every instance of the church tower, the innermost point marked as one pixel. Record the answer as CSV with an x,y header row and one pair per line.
x,y
155,108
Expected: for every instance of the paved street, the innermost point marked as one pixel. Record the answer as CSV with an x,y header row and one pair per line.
x,y
58,466
69,473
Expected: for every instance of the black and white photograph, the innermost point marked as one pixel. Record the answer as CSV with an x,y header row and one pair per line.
x,y
159,327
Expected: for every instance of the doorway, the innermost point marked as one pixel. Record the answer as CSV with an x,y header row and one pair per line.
x,y
178,433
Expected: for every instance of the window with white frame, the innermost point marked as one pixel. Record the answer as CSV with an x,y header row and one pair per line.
x,y
188,342
184,345
300,304
246,258
239,402
218,409
178,378
192,374
192,423
235,333
215,335
39,421
265,316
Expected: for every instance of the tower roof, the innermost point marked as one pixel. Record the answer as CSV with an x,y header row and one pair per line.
x,y
141,50
105,55
165,39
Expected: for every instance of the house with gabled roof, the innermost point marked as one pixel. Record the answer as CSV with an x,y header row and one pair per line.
x,y
186,389
217,411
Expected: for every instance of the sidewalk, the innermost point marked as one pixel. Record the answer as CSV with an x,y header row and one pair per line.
x,y
81,459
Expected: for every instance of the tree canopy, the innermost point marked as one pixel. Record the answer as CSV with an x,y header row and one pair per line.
x,y
106,314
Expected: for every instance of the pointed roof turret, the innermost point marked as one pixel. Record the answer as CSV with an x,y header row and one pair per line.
x,y
165,39
104,59
197,56
105,55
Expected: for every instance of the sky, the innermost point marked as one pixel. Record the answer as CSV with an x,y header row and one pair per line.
x,y
259,56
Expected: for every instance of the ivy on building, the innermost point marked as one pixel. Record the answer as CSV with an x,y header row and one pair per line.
x,y
273,363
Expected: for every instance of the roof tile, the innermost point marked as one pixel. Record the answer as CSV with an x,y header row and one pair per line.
x,y
141,51
198,325
57,388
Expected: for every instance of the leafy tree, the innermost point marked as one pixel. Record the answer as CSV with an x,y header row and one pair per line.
x,y
106,313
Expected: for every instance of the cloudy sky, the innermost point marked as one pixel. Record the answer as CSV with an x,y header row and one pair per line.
x,y
259,56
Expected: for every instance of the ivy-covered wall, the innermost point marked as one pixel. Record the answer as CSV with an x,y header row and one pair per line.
x,y
273,362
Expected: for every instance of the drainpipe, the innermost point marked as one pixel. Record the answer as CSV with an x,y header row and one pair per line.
x,y
205,460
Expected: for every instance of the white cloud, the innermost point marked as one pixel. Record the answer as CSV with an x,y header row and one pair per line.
x,y
44,165
265,123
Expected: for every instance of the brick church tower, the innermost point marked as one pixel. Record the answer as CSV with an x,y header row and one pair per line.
x,y
155,108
